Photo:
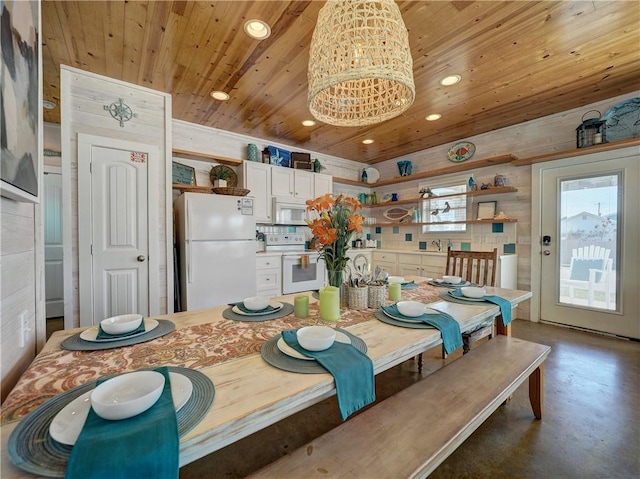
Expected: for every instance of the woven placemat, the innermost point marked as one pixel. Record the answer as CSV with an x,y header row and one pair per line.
x,y
379,314
447,297
286,309
76,343
275,357
32,449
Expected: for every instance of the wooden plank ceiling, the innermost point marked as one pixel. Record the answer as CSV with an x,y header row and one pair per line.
x,y
518,60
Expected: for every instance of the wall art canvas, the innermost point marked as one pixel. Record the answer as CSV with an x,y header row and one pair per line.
x,y
19,99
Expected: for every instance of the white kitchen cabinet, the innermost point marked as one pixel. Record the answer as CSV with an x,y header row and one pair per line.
x,y
299,184
282,181
303,184
322,184
257,178
268,275
387,261
422,264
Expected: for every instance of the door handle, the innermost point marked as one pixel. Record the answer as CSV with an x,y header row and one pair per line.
x,y
141,258
546,252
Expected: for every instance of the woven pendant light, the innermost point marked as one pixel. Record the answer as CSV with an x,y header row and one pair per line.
x,y
360,66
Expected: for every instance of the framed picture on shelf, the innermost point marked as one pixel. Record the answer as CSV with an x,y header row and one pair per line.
x,y
301,161
279,157
183,174
486,210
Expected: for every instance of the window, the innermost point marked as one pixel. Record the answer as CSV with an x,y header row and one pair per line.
x,y
442,210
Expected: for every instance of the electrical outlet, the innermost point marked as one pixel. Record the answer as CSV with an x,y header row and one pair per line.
x,y
24,328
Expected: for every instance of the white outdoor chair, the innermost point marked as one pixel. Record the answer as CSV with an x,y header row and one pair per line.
x,y
590,270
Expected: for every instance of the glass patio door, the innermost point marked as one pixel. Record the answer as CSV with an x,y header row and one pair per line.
x,y
589,245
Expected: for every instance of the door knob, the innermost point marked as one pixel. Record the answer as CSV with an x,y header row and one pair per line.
x,y
546,252
141,258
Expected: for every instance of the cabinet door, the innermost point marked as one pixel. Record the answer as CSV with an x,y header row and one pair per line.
x,y
322,184
405,269
303,184
257,178
389,268
433,265
282,181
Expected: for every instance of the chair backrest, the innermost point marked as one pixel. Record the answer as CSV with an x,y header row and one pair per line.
x,y
475,266
591,252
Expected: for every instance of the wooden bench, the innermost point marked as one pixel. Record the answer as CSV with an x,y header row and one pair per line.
x,y
412,432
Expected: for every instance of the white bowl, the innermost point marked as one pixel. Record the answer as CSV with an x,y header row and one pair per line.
x,y
122,324
316,338
127,395
473,291
410,308
256,303
395,279
451,279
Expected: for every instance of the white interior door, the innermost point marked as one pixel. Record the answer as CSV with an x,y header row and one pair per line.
x,y
116,273
589,253
53,251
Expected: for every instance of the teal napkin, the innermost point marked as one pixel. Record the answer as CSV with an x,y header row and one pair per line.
x,y
146,445
103,335
351,370
505,304
408,285
505,307
443,322
244,309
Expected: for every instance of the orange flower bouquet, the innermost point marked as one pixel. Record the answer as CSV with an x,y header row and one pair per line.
x,y
336,222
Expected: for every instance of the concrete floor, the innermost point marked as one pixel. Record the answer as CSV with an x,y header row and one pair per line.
x,y
590,428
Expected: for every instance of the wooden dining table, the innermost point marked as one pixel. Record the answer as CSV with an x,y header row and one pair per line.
x,y
250,394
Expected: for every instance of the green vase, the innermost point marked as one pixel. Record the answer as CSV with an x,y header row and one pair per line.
x,y
335,277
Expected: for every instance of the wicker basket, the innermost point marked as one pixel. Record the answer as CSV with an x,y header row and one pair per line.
x,y
376,296
358,297
230,190
344,295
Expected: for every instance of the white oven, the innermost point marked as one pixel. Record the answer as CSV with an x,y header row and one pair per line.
x,y
301,270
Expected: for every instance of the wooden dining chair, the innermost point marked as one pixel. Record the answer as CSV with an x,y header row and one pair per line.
x,y
477,267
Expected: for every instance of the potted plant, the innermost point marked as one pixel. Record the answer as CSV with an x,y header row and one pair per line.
x,y
219,176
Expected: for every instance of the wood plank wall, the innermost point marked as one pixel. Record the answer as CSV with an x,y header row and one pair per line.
x,y
86,96
18,288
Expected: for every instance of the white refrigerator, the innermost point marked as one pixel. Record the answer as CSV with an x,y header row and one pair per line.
x,y
216,239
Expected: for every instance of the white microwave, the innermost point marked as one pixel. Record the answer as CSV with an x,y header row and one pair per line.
x,y
288,211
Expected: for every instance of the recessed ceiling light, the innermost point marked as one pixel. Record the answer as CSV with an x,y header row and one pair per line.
x,y
308,122
219,95
48,105
450,80
257,29
433,117
368,141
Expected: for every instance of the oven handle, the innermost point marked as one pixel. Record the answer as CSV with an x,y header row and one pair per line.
x,y
296,258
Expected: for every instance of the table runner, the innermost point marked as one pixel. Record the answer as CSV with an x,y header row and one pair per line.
x,y
195,347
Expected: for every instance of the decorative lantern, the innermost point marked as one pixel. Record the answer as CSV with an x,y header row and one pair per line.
x,y
591,132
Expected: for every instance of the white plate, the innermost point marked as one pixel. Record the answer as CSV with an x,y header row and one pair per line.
x,y
373,175
68,423
464,298
274,304
289,351
457,285
411,320
91,334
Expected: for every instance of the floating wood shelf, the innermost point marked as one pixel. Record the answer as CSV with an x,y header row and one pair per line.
x,y
575,152
203,156
457,168
505,220
191,188
490,191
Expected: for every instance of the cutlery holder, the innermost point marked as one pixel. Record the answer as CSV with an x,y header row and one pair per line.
x,y
358,297
376,296
344,295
